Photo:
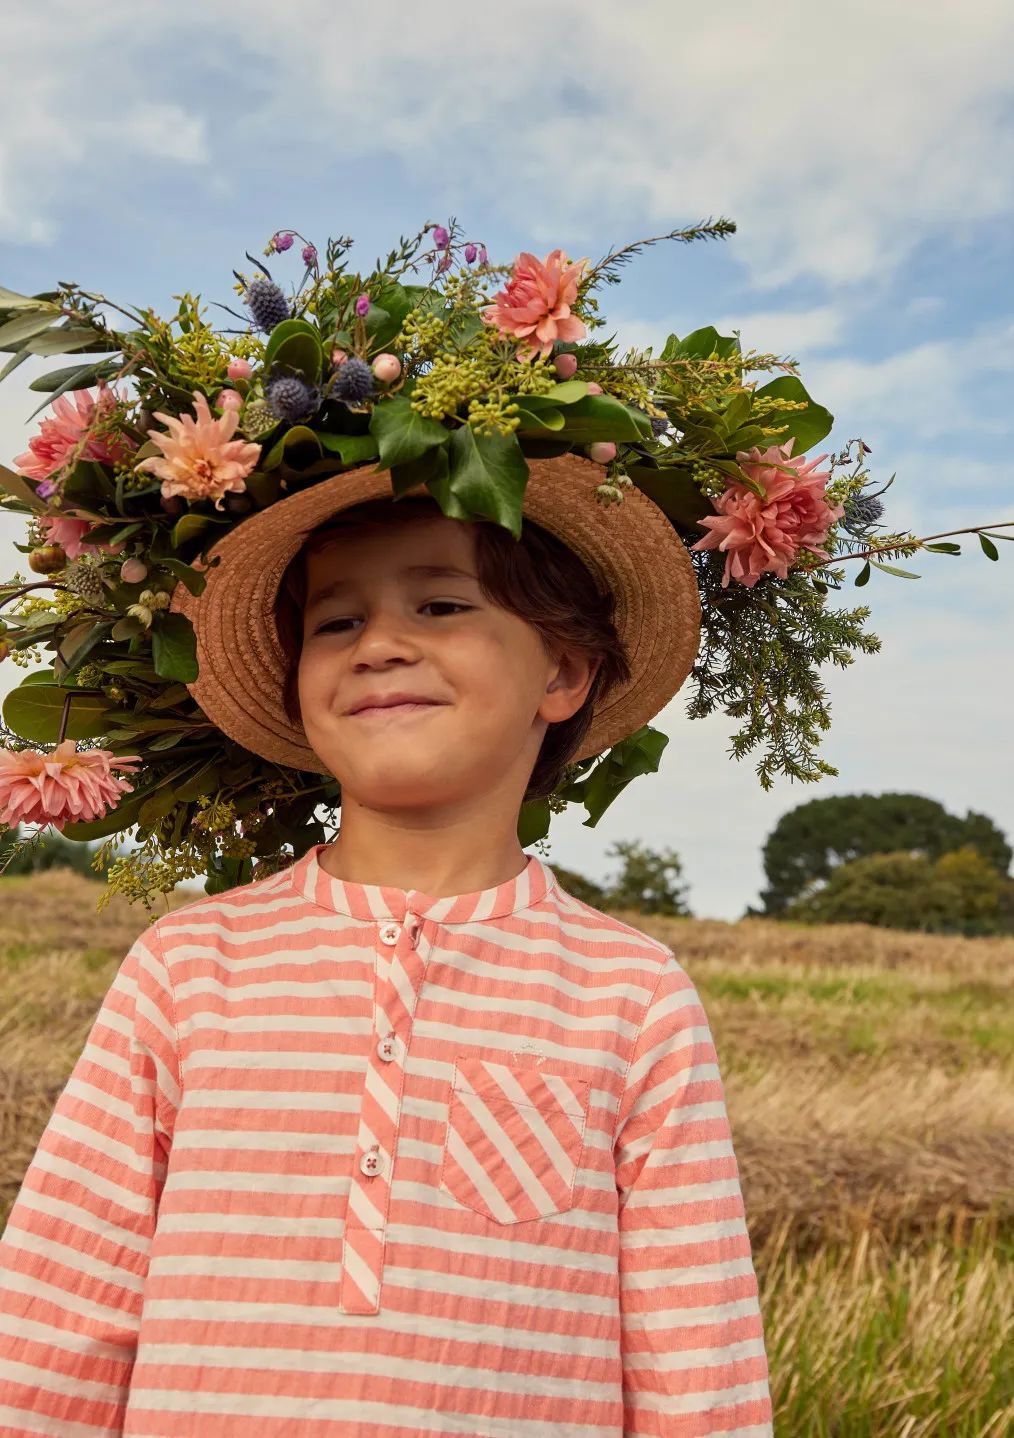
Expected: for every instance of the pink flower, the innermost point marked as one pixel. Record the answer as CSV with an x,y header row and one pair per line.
x,y
68,533
200,459
766,533
38,788
535,305
59,437
239,369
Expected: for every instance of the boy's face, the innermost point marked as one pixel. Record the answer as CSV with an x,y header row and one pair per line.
x,y
390,628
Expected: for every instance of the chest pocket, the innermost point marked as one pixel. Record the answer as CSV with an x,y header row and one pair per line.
x,y
514,1141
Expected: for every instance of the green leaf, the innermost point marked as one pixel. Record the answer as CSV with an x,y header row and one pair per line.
x,y
532,447
295,438
122,816
351,448
988,547
809,426
65,340
77,377
284,334
541,421
640,753
33,711
77,644
164,798
174,646
205,781
25,326
302,353
944,548
863,577
402,434
568,391
533,821
193,578
189,526
263,489
12,364
1009,537
486,480
673,489
601,416
11,300
17,485
890,569
431,467
701,345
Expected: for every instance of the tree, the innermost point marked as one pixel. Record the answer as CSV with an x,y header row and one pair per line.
x,y
648,880
810,841
957,893
48,850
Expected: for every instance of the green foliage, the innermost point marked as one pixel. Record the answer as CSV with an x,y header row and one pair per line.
x,y
958,893
811,841
649,880
21,853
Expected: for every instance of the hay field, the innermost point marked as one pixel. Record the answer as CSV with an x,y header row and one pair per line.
x,y
869,1076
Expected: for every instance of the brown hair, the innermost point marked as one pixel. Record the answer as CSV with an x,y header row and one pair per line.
x,y
538,578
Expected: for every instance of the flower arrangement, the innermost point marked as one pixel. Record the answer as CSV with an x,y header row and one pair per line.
x,y
447,371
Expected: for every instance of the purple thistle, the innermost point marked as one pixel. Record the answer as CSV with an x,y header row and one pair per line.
x,y
363,305
309,255
470,252
440,237
266,303
45,488
353,381
282,240
291,398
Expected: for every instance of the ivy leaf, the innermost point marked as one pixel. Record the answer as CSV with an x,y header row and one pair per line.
x,y
809,426
402,433
487,479
174,646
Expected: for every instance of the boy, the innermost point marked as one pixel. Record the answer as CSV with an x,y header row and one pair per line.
x,y
403,1139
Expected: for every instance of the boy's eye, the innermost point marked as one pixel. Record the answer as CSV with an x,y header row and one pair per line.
x,y
430,604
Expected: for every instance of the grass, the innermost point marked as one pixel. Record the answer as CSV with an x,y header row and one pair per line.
x,y
869,1076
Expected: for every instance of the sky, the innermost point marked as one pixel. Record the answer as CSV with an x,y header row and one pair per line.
x,y
865,153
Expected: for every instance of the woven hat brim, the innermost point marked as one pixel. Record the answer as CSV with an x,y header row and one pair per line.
x,y
630,547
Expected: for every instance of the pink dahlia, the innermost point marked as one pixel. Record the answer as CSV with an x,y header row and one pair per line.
x,y
200,458
535,305
37,788
67,434
760,533
68,533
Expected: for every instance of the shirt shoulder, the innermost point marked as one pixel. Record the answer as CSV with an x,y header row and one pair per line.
x,y
590,921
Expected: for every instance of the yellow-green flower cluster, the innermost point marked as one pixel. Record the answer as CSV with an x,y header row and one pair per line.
x,y
196,357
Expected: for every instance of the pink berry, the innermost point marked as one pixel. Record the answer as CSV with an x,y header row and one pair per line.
x,y
602,451
594,388
387,368
338,357
565,365
227,397
132,571
239,369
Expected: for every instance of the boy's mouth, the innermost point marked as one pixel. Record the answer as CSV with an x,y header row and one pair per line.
x,y
376,711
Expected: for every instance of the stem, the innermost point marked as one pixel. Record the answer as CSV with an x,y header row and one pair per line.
x,y
63,717
879,549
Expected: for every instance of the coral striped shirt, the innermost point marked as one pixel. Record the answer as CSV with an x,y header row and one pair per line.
x,y
356,1161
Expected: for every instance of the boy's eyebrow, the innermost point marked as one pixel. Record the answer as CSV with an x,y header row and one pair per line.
x,y
432,571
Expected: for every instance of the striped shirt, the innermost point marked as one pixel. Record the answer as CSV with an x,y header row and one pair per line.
x,y
356,1161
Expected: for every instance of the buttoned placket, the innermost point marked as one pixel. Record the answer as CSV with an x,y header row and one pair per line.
x,y
400,961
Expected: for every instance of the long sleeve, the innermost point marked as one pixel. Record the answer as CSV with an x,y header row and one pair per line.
x,y
694,1362
75,1251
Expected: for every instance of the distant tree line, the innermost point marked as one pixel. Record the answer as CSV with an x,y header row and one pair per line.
x,y
896,860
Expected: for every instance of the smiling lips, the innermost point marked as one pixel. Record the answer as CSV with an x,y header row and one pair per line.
x,y
405,708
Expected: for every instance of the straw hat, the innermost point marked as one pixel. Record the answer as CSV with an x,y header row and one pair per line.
x,y
629,547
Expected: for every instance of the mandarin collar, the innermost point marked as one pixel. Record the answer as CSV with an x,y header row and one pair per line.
x,y
384,901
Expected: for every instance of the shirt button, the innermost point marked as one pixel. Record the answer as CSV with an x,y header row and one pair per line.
x,y
371,1162
386,1048
389,933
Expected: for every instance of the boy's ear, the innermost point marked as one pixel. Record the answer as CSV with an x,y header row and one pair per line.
x,y
568,689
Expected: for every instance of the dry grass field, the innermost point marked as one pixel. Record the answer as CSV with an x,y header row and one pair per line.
x,y
870,1084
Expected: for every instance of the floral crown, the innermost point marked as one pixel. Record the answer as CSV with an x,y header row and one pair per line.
x,y
453,379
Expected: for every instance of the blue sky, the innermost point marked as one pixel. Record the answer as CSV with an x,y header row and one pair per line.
x,y
866,153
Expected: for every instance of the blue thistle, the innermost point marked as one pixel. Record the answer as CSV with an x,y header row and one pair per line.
x,y
862,511
266,303
290,397
354,381
659,424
